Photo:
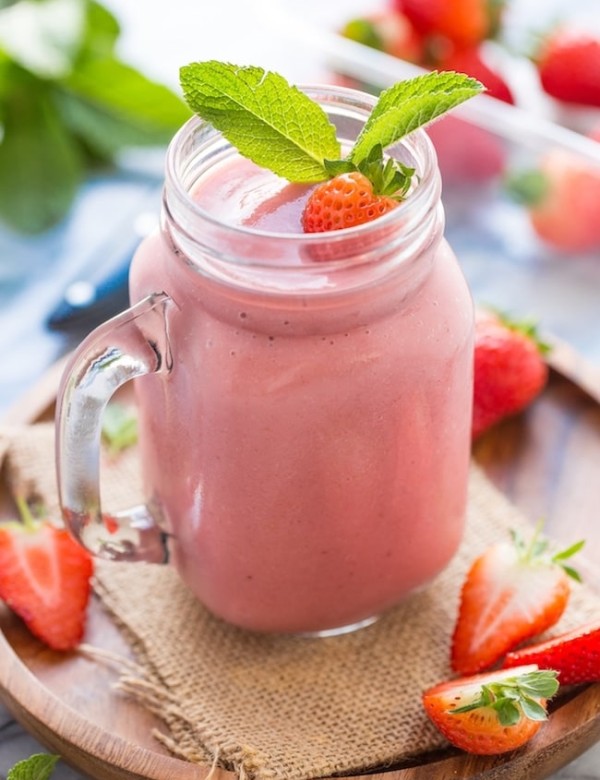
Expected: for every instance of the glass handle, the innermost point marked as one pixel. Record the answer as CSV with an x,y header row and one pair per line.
x,y
134,343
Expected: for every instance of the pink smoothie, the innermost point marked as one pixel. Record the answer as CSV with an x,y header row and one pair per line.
x,y
308,453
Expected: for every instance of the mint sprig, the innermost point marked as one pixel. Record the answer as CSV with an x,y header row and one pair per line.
x,y
278,127
67,105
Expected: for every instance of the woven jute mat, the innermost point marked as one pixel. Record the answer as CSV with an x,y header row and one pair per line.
x,y
274,706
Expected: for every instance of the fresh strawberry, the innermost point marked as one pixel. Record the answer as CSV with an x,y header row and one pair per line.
x,y
464,22
574,655
45,578
357,196
491,713
515,590
568,64
471,61
510,370
389,31
466,153
563,200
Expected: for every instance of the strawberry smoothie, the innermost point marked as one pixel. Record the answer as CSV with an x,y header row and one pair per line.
x,y
309,449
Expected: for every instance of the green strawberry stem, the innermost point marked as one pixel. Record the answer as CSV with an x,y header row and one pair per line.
x,y
27,518
537,548
515,697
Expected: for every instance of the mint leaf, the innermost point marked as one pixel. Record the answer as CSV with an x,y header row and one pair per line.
x,y
37,767
40,168
409,105
266,119
111,105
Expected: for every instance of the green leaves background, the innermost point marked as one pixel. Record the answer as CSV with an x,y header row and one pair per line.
x,y
67,105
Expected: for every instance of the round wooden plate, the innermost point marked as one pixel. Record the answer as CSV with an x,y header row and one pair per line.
x,y
547,461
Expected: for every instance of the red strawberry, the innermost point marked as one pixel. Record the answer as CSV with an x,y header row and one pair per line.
x,y
509,370
569,67
471,61
45,578
491,713
574,655
563,199
464,22
513,591
466,153
389,31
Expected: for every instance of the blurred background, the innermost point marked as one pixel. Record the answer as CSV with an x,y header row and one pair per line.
x,y
89,99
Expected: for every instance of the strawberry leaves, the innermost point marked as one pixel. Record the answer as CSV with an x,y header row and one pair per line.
x,y
515,697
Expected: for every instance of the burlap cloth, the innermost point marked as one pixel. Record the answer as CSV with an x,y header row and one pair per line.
x,y
273,706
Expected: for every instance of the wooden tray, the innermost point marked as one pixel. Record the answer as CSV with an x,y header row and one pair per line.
x,y
547,461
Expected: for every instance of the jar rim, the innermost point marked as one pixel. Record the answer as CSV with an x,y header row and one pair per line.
x,y
417,143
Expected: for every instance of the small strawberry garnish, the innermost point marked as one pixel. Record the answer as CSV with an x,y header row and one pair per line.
x,y
574,655
491,713
510,370
562,197
357,196
569,66
280,128
386,30
45,578
515,590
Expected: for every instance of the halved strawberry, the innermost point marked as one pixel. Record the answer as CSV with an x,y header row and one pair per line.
x,y
45,578
575,655
515,590
491,713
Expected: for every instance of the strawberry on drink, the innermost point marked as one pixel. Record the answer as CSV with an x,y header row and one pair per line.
x,y
574,655
492,713
514,591
45,578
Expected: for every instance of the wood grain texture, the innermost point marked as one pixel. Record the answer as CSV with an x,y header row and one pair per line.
x,y
547,461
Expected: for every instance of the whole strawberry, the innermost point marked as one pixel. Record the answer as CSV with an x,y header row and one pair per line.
x,y
568,64
463,22
471,60
389,31
562,197
515,590
356,197
575,656
492,713
45,578
510,370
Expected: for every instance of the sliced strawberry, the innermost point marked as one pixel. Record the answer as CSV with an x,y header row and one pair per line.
x,y
515,590
575,655
510,370
45,578
491,713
